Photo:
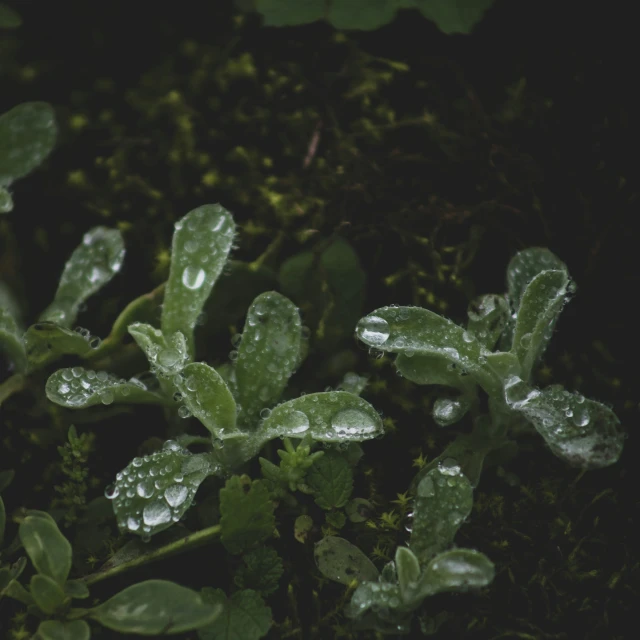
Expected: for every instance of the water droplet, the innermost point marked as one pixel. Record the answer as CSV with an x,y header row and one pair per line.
x,y
525,340
373,330
145,489
296,422
193,277
467,337
353,422
94,343
168,358
156,513
236,339
111,492
133,524
265,413
106,396
184,412
176,494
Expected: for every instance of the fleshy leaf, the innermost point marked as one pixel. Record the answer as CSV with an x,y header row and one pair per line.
x,y
155,607
267,355
91,266
46,592
153,492
443,500
78,388
332,416
432,369
539,309
341,561
11,340
262,571
331,479
201,244
583,432
456,570
27,136
407,567
47,341
244,616
246,513
58,630
167,355
488,316
209,399
48,550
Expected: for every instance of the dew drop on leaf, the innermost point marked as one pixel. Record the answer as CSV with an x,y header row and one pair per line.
x,y
176,494
156,513
193,277
373,330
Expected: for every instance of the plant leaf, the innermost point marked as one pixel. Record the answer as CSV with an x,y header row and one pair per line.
x,y
244,616
78,388
246,512
443,500
267,355
456,570
48,550
27,136
200,249
333,416
341,561
11,341
488,317
432,369
91,266
6,201
154,492
46,592
407,567
167,355
46,342
155,607
262,571
76,589
331,479
58,630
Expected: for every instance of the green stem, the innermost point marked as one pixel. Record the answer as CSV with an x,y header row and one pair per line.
x,y
184,544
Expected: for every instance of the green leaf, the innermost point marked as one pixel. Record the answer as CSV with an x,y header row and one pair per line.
x,y
244,616
488,316
155,607
443,500
76,589
282,13
27,136
246,514
452,16
456,570
583,432
341,561
201,245
333,416
48,550
154,492
79,388
408,569
9,19
167,355
57,630
47,593
209,399
46,342
262,571
6,201
3,519
539,309
11,341
331,479
433,369
267,355
91,266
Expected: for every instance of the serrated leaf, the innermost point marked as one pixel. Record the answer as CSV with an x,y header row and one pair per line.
x,y
244,616
209,399
79,388
200,249
267,355
46,342
9,18
46,592
154,492
539,309
333,416
246,514
58,630
262,571
48,550
11,341
91,266
341,561
488,316
155,607
444,499
167,354
27,136
456,570
331,479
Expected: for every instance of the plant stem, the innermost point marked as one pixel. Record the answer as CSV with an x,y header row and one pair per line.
x,y
178,546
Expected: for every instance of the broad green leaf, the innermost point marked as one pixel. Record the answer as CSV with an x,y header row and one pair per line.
x,y
407,567
539,309
167,355
9,18
267,355
11,340
76,589
47,341
332,416
155,607
209,399
583,432
488,317
244,616
153,492
6,202
380,607
331,479
27,136
341,561
48,550
3,520
78,388
58,630
456,570
46,592
262,571
200,249
246,512
91,266
443,500
448,411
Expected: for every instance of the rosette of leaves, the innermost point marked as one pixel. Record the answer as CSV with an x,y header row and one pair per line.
x,y
464,360
385,601
238,404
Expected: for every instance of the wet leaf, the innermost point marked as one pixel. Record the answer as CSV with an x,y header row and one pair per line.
x,y
341,561
166,354
488,316
47,341
48,550
58,630
407,567
456,570
331,479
